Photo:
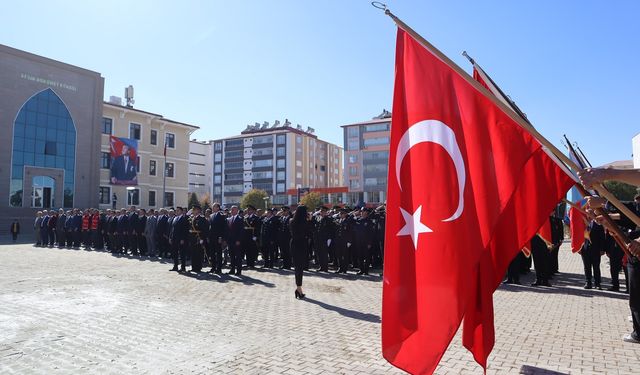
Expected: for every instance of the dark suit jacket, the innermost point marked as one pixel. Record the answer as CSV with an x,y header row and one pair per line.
x,y
162,228
234,230
217,225
180,229
123,224
122,172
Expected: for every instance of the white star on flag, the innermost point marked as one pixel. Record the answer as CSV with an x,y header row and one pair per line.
x,y
413,226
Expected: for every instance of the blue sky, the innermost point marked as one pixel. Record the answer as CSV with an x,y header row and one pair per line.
x,y
570,65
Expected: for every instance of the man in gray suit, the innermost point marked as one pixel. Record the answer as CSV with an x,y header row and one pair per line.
x,y
150,233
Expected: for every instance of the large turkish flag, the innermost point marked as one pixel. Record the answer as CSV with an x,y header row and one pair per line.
x,y
456,162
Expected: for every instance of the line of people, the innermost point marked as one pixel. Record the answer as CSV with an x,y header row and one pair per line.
x,y
346,239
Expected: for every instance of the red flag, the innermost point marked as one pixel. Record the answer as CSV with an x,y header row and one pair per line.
x,y
459,171
577,226
545,232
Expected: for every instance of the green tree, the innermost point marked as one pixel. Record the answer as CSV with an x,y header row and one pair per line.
x,y
193,200
312,200
254,197
621,190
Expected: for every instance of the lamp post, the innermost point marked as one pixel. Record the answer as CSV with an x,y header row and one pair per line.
x,y
130,190
266,200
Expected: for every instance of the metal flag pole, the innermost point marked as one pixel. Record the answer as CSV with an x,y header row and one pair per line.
x,y
164,176
506,109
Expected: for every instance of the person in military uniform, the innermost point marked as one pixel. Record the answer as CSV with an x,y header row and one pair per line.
x,y
217,224
199,232
252,230
364,236
284,238
324,228
234,233
269,238
540,253
343,239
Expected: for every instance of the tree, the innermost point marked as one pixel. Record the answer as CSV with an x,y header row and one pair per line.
x,y
312,200
621,190
205,201
255,198
193,200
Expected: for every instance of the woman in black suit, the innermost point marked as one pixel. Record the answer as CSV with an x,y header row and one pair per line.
x,y
300,231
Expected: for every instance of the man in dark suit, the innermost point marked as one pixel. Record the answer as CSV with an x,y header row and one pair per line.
x,y
234,233
344,240
325,232
178,239
284,238
217,226
591,252
123,168
252,230
133,230
162,233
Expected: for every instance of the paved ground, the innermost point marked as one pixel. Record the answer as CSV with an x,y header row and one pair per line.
x,y
74,311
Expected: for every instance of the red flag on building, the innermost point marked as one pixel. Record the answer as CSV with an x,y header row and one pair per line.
x,y
460,172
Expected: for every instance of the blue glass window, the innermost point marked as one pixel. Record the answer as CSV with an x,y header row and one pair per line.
x,y
44,136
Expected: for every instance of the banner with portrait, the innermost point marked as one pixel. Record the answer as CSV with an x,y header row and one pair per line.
x,y
124,161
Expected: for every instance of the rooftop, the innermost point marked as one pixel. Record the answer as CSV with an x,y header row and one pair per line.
x,y
160,117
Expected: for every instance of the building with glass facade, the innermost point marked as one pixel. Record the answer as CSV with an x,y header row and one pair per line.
x,y
366,146
50,113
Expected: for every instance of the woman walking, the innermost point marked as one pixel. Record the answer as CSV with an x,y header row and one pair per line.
x,y
300,231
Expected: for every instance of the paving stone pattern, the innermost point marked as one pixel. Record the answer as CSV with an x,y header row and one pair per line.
x,y
77,312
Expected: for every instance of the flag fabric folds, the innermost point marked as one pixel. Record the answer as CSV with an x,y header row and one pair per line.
x,y
467,189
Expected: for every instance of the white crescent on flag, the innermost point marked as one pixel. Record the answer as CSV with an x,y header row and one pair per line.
x,y
436,132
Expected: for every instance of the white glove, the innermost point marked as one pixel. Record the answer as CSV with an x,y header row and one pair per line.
x,y
201,242
254,238
348,244
329,242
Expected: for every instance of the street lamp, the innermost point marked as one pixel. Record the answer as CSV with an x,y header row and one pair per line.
x,y
266,200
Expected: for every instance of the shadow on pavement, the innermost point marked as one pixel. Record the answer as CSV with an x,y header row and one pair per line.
x,y
331,275
531,370
562,283
345,312
224,278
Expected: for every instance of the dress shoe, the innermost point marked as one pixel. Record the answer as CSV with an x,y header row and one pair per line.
x,y
588,286
632,338
231,272
546,283
508,281
536,284
183,269
174,269
360,273
613,289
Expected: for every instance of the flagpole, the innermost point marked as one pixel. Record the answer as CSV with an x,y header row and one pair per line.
x,y
511,113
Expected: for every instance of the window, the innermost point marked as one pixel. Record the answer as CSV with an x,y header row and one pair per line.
x,y
217,157
169,170
137,164
134,131
298,163
376,141
376,155
217,168
105,160
152,198
217,190
107,125
50,148
280,163
323,168
233,188
153,137
373,181
170,140
353,145
263,163
353,171
234,143
298,139
217,179
354,184
375,168
281,151
263,139
168,199
280,188
281,175
353,131
262,151
105,195
376,127
281,139
233,165
262,175
217,146
233,154
353,158
299,175
264,186
133,197
233,176
44,136
152,167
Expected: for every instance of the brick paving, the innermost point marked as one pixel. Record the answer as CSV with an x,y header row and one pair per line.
x,y
77,312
